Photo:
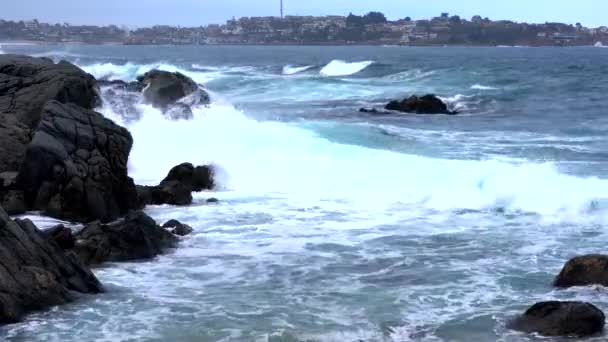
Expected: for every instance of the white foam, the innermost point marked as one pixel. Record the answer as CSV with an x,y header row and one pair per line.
x,y
482,87
292,70
342,68
262,158
129,71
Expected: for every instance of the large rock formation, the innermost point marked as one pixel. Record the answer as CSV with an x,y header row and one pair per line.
x,y
76,166
428,104
137,236
573,319
584,270
28,83
177,187
36,273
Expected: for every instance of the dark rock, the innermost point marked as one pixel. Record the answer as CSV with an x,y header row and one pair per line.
x,y
196,178
177,187
163,89
177,194
428,104
28,83
63,236
368,110
76,166
554,318
135,237
35,273
178,228
584,270
213,201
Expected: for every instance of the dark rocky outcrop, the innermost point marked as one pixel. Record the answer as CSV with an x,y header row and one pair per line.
x,y
135,237
584,270
172,92
428,104
554,318
178,228
36,273
76,166
177,187
162,89
28,83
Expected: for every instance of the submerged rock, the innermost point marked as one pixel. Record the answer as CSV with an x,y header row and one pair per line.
x,y
178,228
177,187
36,273
135,237
428,104
575,319
584,270
76,166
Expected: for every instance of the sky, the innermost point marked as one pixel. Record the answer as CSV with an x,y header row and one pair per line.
x,y
137,13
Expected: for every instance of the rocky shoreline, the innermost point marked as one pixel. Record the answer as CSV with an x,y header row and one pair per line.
x,y
61,158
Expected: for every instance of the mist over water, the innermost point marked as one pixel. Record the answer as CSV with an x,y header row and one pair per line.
x,y
335,225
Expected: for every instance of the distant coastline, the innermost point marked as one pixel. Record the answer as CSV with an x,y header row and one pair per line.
x,y
372,29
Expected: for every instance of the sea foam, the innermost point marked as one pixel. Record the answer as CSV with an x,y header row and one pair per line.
x,y
262,158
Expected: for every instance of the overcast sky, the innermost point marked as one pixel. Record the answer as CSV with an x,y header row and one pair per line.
x,y
200,12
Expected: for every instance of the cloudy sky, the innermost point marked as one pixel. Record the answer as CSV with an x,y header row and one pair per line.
x,y
198,12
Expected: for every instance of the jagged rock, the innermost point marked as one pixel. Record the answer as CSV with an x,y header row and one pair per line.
x,y
178,228
584,270
428,104
135,237
61,235
35,273
76,166
573,319
28,83
177,187
162,89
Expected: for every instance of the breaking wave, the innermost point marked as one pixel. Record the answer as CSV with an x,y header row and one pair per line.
x,y
292,70
342,68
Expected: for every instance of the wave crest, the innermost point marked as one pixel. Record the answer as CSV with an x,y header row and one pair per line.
x,y
341,68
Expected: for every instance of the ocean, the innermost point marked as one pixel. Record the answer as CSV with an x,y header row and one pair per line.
x,y
336,225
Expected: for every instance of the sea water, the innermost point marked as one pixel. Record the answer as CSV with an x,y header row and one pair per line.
x,y
335,225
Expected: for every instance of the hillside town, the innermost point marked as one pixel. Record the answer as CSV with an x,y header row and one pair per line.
x,y
370,29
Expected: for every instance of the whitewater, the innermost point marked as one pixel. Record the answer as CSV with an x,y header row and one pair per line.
x,y
334,225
